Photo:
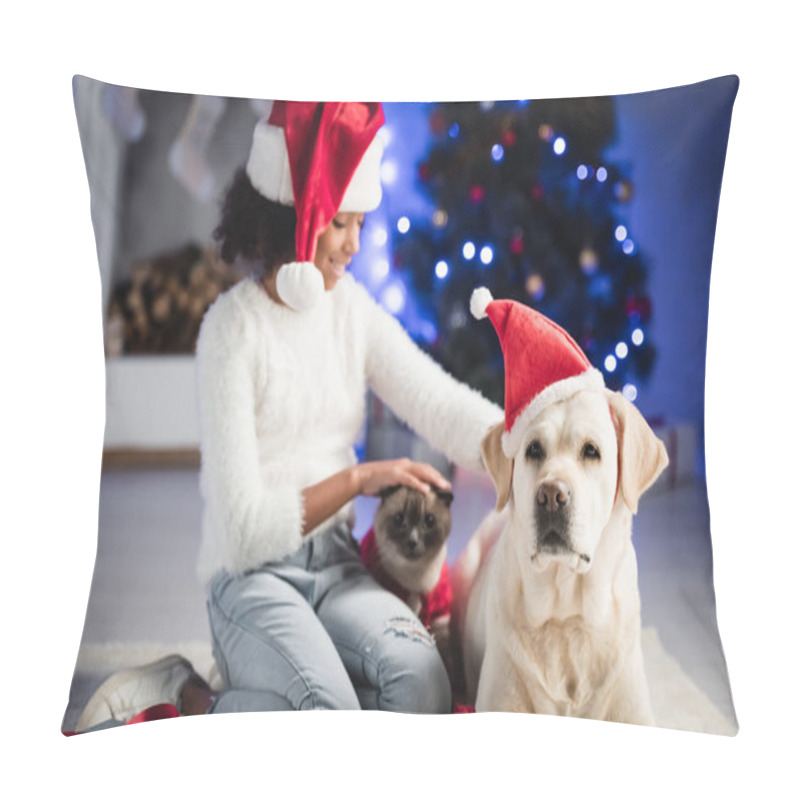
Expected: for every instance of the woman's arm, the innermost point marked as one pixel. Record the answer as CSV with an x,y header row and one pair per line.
x,y
453,417
325,498
255,521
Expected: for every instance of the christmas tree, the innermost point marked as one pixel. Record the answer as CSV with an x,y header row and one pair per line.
x,y
526,204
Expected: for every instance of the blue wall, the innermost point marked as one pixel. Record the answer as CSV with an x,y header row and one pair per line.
x,y
675,141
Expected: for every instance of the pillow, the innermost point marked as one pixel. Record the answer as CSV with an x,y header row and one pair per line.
x,y
570,206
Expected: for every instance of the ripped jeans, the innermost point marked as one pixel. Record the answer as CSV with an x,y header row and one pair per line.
x,y
315,631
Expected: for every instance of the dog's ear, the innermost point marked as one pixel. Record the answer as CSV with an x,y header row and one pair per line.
x,y
499,466
642,455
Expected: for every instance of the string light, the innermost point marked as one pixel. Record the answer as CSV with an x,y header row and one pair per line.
x,y
385,135
623,191
560,146
602,174
403,224
628,247
621,233
534,285
588,260
393,299
477,193
454,129
487,254
380,236
458,319
498,152
428,331
610,363
621,350
630,392
441,269
637,337
389,172
380,269
583,172
468,251
440,218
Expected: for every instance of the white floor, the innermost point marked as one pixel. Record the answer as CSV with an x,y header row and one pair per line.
x,y
144,590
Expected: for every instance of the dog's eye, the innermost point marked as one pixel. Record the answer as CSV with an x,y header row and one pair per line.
x,y
591,451
429,520
535,451
398,518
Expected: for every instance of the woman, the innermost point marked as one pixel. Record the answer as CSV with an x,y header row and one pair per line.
x,y
284,361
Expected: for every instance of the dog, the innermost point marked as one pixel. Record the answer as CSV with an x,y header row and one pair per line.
x,y
406,552
546,593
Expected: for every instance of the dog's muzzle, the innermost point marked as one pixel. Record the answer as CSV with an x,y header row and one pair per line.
x,y
552,512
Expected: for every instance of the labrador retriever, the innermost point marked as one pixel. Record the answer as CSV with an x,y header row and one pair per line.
x,y
546,590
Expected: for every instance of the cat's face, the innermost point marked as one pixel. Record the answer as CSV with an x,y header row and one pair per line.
x,y
415,525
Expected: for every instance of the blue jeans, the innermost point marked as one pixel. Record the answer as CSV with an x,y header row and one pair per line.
x,y
315,631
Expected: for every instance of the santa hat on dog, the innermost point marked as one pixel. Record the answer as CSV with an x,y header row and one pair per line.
x,y
543,363
322,158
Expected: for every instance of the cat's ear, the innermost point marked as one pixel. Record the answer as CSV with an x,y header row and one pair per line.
x,y
445,496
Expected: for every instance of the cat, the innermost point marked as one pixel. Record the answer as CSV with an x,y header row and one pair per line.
x,y
406,552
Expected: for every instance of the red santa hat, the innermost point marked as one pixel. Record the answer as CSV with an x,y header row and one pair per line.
x,y
543,363
322,158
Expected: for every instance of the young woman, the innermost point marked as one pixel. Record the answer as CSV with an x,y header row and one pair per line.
x,y
284,361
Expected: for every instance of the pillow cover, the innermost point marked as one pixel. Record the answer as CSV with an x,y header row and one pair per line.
x,y
570,206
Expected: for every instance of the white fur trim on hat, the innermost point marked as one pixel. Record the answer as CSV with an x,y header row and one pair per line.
x,y
479,301
592,380
300,285
268,164
269,171
364,192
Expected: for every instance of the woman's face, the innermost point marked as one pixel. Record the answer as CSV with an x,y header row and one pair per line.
x,y
336,245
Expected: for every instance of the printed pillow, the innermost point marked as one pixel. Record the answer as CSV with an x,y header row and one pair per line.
x,y
598,212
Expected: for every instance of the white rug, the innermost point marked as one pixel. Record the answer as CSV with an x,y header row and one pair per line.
x,y
677,702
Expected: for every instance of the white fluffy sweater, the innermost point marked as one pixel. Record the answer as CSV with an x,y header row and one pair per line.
x,y
282,399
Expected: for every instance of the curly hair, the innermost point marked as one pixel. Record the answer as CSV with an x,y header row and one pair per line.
x,y
255,228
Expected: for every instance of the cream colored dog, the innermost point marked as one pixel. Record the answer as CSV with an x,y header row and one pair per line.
x,y
546,590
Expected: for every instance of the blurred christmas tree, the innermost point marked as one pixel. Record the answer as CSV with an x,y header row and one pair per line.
x,y
526,205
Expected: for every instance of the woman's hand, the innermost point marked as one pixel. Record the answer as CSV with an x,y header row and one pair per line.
x,y
325,498
372,476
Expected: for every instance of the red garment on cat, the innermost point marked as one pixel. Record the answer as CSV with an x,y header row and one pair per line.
x,y
435,604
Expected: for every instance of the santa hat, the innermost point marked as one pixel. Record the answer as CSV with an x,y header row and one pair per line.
x,y
322,158
543,363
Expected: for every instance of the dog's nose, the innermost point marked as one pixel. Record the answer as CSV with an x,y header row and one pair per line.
x,y
553,495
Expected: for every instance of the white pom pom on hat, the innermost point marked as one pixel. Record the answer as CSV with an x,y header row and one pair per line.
x,y
478,302
299,285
